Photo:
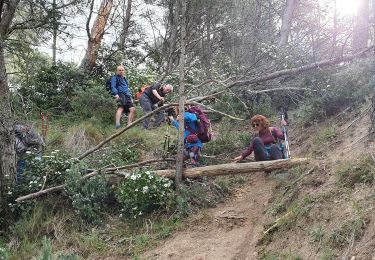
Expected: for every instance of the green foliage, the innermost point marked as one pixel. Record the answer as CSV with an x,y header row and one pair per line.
x,y
93,102
226,141
362,171
3,254
335,91
53,86
46,251
278,256
45,172
87,195
350,230
316,235
143,192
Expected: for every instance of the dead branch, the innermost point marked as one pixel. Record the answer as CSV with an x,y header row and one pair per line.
x,y
218,112
280,73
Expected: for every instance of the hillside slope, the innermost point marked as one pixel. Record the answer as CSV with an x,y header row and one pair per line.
x,y
325,210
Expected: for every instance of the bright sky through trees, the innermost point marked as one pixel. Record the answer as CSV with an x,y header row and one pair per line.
x,y
346,7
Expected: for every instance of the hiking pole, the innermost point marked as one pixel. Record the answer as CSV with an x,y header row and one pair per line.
x,y
166,145
286,138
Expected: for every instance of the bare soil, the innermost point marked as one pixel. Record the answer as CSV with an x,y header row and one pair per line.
x,y
229,231
232,230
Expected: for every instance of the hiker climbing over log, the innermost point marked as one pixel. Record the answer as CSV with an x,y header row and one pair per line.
x,y
193,145
266,144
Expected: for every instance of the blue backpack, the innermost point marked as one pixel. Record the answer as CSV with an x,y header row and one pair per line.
x,y
108,84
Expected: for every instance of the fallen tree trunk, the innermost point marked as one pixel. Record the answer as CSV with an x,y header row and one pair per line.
x,y
209,171
234,168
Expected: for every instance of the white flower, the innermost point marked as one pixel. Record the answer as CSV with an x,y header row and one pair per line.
x,y
138,175
67,170
136,190
135,208
28,152
150,177
121,215
145,189
9,193
147,172
140,213
133,177
167,185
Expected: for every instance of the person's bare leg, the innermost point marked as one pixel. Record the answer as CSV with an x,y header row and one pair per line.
x,y
119,112
131,115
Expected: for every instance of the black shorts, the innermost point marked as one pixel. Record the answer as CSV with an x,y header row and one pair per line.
x,y
125,102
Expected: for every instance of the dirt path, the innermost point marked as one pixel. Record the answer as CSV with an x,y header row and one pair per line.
x,y
229,231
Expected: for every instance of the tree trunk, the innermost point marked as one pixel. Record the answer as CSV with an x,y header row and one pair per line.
x,y
125,25
361,28
96,35
54,32
235,168
7,139
286,22
181,91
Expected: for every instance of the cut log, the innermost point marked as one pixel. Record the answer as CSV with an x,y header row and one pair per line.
x,y
235,168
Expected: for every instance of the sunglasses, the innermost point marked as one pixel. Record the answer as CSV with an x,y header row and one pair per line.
x,y
256,124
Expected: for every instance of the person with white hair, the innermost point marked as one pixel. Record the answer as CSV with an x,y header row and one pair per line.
x,y
153,95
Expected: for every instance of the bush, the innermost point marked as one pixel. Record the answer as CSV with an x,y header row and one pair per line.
x,y
3,254
93,102
361,171
87,195
143,192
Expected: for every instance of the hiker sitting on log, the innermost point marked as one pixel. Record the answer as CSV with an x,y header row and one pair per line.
x,y
266,144
192,143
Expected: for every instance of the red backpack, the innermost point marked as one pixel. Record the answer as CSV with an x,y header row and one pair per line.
x,y
203,124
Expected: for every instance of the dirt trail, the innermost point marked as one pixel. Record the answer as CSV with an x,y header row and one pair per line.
x,y
229,231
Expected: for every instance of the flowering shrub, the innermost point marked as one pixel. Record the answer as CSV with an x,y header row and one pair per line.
x,y
142,192
40,172
87,196
3,254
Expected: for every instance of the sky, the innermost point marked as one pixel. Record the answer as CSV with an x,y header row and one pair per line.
x,y
73,50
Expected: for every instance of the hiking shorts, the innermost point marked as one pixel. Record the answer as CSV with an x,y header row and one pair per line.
x,y
125,102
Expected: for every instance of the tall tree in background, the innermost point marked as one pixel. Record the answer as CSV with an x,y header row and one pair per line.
x,y
286,22
96,35
7,152
362,26
125,25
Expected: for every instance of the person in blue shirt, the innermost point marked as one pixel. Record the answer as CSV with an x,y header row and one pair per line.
x,y
120,91
193,145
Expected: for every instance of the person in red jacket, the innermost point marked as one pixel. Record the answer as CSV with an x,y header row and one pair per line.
x,y
265,145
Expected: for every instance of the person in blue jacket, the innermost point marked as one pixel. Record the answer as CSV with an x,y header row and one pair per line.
x,y
121,93
193,145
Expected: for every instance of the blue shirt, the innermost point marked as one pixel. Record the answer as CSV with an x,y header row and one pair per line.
x,y
120,85
190,120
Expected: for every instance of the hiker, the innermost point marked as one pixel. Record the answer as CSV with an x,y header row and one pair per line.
x,y
193,145
266,142
121,93
26,138
139,94
151,96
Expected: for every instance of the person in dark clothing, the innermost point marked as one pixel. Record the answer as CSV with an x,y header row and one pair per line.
x,y
26,138
150,97
120,91
266,142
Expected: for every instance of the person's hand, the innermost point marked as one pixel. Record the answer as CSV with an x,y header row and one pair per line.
x,y
238,159
117,97
171,118
161,100
283,122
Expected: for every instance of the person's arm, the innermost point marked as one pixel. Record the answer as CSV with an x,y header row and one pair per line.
x,y
114,86
278,133
156,94
244,153
175,123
